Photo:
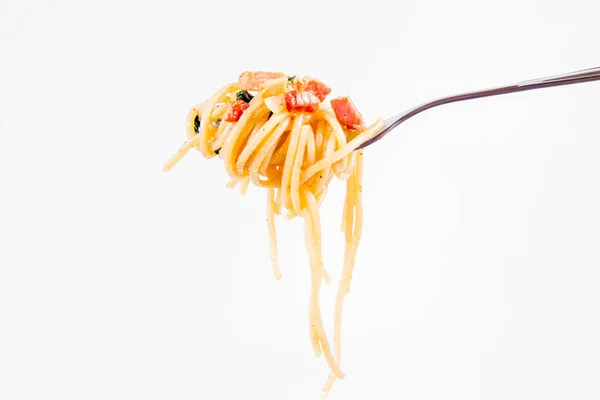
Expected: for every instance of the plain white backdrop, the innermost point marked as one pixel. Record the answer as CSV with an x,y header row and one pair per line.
x,y
478,272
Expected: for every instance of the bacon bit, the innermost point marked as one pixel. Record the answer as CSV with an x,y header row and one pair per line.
x,y
347,114
236,110
303,101
317,88
251,80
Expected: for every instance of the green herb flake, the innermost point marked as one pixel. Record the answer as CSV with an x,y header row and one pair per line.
x,y
197,124
217,150
291,78
244,95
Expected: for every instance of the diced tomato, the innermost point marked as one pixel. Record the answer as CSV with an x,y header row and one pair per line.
x,y
236,110
301,101
347,114
251,80
290,99
317,88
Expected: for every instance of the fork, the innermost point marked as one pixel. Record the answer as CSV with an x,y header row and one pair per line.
x,y
586,75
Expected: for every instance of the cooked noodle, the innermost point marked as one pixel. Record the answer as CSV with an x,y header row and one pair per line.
x,y
294,154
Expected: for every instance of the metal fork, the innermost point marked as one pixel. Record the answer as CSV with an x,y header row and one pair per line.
x,y
586,75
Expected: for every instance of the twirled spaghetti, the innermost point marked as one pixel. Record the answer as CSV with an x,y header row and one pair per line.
x,y
278,133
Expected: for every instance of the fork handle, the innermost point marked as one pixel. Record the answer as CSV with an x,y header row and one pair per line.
x,y
586,75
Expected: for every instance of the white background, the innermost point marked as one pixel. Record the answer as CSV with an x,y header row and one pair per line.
x,y
477,276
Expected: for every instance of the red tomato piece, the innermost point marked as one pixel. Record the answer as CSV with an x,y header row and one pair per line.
x,y
347,114
317,88
251,80
301,101
290,99
236,110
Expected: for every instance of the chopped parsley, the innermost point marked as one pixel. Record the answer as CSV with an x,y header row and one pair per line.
x,y
217,150
243,95
291,78
197,124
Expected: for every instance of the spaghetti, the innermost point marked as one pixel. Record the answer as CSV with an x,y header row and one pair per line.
x,y
278,133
